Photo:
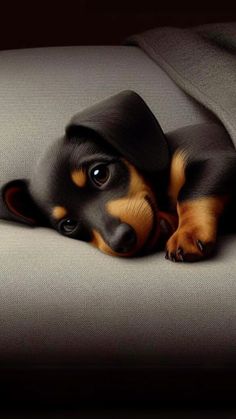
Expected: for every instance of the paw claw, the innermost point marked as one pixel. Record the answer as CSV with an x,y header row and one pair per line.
x,y
170,256
180,254
186,246
200,246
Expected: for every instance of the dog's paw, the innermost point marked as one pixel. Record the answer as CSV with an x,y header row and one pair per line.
x,y
189,245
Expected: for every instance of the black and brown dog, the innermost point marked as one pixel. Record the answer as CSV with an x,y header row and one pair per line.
x,y
115,180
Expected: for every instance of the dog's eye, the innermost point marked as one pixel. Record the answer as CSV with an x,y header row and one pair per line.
x,y
99,174
68,225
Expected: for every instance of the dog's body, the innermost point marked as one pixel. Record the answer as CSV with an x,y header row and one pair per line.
x,y
117,181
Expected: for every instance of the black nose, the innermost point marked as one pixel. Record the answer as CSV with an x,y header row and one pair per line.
x,y
124,238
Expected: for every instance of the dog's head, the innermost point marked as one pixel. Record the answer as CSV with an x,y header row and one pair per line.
x,y
94,183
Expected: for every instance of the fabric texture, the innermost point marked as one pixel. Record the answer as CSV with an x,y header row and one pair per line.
x,y
41,89
202,61
64,301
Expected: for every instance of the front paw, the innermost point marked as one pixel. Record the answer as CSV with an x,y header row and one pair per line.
x,y
189,245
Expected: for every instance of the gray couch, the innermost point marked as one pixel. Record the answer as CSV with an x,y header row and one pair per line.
x,y
75,324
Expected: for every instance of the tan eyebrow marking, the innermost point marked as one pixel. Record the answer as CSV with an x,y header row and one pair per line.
x,y
79,177
59,212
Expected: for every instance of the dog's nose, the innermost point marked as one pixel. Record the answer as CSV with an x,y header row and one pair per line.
x,y
124,238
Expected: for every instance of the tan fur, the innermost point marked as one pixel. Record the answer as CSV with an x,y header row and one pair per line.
x,y
133,209
98,242
198,220
137,182
59,212
79,178
177,175
136,212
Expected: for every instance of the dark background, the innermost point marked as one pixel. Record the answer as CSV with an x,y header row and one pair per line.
x,y
87,22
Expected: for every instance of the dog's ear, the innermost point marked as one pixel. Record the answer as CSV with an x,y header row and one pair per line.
x,y
16,203
126,122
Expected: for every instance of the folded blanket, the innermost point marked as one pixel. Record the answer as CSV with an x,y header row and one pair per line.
x,y
201,61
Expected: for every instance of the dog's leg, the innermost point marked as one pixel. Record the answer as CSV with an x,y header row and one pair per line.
x,y
206,190
196,234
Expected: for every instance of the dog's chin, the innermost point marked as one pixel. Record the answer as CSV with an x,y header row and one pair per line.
x,y
141,247
163,227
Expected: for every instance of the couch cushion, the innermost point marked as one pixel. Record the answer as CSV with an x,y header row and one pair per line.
x,y
63,300
41,89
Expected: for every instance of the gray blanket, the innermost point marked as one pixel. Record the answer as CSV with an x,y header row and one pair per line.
x,y
202,61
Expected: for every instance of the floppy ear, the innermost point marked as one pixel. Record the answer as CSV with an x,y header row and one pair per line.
x,y
16,203
125,122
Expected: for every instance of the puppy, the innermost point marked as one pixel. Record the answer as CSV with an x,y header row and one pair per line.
x,y
117,181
